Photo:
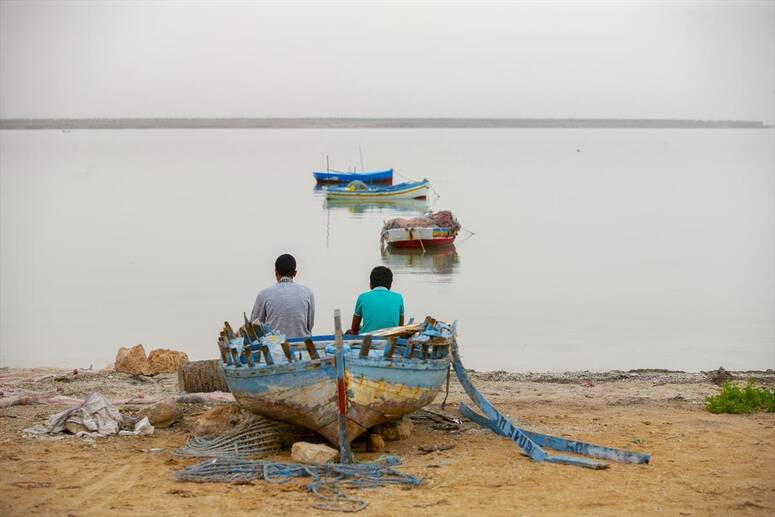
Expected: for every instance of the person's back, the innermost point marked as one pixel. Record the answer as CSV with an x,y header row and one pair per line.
x,y
380,307
287,307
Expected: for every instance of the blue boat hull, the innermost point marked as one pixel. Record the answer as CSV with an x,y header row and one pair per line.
x,y
408,190
385,176
304,392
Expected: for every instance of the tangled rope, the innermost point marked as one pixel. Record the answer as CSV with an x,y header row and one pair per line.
x,y
258,437
328,480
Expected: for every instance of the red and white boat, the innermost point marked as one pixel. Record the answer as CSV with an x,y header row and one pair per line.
x,y
429,231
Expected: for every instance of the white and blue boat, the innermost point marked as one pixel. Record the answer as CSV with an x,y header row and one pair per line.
x,y
359,191
385,176
387,374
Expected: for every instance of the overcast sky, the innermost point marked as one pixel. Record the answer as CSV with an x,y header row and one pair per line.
x,y
699,60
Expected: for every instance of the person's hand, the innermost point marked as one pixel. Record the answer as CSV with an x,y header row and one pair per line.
x,y
349,332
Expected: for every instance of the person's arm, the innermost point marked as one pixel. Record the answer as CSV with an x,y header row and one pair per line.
x,y
311,312
401,320
257,309
356,325
401,313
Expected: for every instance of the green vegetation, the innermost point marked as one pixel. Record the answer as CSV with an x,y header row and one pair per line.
x,y
737,400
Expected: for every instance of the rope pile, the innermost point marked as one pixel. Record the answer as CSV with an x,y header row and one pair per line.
x,y
442,219
328,480
258,437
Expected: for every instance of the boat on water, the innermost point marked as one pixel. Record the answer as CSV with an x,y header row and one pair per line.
x,y
359,191
432,230
387,374
328,177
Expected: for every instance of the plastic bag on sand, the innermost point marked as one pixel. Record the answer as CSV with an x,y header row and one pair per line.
x,y
142,427
95,415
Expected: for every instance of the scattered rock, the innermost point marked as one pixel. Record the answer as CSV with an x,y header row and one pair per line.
x,y
162,414
191,399
162,360
437,447
313,453
720,376
132,361
75,427
396,430
375,443
218,420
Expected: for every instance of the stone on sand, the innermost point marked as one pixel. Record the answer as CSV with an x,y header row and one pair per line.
x,y
399,429
163,360
313,453
375,443
132,360
218,420
163,414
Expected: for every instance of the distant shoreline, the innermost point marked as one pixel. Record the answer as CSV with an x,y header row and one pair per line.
x,y
373,123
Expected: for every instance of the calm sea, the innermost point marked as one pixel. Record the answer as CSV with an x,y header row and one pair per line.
x,y
592,248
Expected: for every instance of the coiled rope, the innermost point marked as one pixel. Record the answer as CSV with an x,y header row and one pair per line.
x,y
328,480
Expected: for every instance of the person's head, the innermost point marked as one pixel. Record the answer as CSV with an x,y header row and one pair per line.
x,y
285,265
381,277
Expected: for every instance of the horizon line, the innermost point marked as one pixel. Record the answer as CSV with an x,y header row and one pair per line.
x,y
366,122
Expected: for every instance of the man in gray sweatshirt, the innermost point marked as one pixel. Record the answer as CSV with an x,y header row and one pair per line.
x,y
288,307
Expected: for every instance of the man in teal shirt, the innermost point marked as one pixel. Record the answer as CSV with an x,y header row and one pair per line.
x,y
379,308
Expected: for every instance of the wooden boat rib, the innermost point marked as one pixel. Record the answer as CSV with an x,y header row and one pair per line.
x,y
386,377
409,190
329,177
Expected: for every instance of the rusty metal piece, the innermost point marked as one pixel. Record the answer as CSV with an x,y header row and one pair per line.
x,y
229,331
390,349
311,350
267,355
365,346
410,349
287,351
425,351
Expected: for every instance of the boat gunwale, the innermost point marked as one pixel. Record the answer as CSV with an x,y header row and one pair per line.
x,y
392,190
397,362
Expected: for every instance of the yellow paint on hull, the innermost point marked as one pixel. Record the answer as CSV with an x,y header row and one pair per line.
x,y
314,406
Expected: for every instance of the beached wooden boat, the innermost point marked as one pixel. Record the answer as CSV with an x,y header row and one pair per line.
x,y
385,176
362,192
388,374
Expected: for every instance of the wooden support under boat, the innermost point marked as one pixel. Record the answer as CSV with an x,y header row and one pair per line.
x,y
345,456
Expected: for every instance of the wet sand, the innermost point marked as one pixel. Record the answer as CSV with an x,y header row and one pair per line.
x,y
702,464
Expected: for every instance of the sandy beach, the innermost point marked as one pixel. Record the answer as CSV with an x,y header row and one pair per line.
x,y
702,464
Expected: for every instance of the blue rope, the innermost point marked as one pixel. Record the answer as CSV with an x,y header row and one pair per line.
x,y
328,480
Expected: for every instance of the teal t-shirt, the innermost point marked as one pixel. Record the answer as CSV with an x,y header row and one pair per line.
x,y
380,308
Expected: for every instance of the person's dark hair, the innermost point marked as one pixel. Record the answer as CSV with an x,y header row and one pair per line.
x,y
381,277
285,265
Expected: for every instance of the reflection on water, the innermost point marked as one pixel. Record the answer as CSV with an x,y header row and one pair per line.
x,y
441,261
418,206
